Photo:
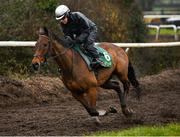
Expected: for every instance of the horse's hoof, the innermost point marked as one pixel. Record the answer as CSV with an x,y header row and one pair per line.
x,y
105,112
93,113
112,110
128,112
102,112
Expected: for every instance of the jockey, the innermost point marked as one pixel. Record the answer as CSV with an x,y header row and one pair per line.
x,y
77,28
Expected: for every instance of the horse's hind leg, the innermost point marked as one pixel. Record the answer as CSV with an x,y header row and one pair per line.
x,y
126,85
133,80
116,86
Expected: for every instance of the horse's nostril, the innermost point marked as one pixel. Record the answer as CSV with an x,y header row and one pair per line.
x,y
35,66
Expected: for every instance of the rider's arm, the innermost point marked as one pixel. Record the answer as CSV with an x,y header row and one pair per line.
x,y
86,27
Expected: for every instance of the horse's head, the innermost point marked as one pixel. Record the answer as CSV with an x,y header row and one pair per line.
x,y
41,48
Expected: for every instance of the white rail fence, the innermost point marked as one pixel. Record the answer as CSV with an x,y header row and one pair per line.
x,y
158,27
127,45
161,16
17,43
161,26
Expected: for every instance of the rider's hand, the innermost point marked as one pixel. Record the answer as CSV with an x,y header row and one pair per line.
x,y
82,38
69,40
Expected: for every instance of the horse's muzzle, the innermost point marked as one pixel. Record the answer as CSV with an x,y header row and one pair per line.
x,y
36,66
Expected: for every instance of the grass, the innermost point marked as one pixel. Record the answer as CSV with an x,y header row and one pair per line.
x,y
163,32
168,130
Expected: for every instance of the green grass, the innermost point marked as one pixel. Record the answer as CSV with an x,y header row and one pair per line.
x,y
168,130
163,32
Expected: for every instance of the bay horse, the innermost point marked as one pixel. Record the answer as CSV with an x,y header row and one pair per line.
x,y
76,76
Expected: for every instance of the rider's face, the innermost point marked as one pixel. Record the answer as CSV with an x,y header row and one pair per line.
x,y
64,20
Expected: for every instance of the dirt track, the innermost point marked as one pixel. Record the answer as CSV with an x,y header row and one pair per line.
x,y
42,106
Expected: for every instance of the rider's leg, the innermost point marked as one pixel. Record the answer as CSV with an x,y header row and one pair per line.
x,y
92,50
89,44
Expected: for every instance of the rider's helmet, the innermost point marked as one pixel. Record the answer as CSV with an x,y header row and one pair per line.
x,y
61,11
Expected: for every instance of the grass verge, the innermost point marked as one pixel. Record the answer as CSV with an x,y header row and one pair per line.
x,y
168,130
163,32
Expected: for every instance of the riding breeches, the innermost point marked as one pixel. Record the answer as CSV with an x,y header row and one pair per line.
x,y
89,44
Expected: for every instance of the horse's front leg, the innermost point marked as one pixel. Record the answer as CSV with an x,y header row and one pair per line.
x,y
89,105
88,100
92,97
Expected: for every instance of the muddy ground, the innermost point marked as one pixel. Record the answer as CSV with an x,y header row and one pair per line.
x,y
42,106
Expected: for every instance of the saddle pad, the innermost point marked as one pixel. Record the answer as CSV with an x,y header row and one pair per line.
x,y
105,58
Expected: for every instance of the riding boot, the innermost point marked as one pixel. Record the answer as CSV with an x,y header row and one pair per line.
x,y
95,56
92,51
95,64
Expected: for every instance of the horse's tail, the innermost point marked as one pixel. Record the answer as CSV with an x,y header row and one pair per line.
x,y
132,76
133,80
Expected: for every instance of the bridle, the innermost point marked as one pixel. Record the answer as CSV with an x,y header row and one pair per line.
x,y
49,46
50,43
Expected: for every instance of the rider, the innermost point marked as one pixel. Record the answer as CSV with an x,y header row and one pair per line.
x,y
79,29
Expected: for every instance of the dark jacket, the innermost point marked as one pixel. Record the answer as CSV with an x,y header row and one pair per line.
x,y
78,27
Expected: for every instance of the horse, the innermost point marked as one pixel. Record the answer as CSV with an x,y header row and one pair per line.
x,y
78,79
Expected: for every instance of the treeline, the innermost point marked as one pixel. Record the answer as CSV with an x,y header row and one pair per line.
x,y
117,20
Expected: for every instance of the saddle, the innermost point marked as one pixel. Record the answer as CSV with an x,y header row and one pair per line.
x,y
105,59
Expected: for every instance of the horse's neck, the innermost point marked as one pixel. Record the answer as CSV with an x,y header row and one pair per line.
x,y
63,57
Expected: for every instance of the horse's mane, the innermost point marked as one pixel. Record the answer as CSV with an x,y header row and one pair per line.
x,y
61,40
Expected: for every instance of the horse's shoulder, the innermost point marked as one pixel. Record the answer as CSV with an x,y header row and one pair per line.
x,y
105,44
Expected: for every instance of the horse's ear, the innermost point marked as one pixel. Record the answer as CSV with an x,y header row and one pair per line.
x,y
43,31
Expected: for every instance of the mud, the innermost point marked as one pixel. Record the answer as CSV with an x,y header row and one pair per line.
x,y
41,105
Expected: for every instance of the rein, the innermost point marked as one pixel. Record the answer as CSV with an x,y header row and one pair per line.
x,y
55,55
62,53
50,45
